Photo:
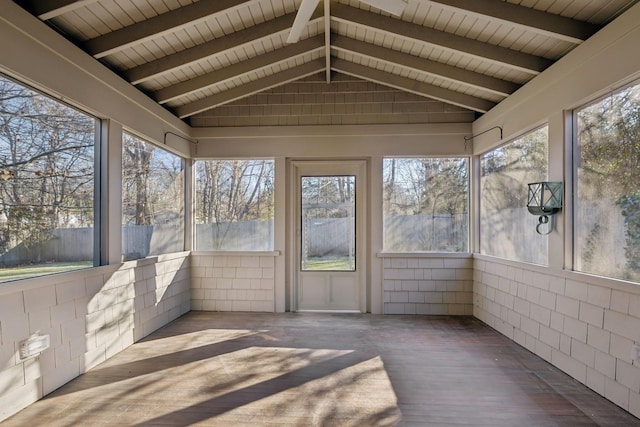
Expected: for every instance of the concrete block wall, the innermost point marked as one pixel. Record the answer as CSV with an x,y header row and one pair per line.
x,y
583,325
233,281
89,314
427,284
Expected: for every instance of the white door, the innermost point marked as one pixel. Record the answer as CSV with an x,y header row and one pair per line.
x,y
330,240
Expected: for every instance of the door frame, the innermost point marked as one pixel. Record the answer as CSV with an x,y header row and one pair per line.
x,y
328,167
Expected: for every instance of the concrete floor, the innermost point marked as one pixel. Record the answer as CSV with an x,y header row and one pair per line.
x,y
312,369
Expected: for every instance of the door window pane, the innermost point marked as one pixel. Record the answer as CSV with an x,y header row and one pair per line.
x,y
328,223
607,210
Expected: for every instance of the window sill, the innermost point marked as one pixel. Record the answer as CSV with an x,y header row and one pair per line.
x,y
236,253
424,255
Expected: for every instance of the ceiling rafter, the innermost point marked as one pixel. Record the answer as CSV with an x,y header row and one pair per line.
x,y
490,57
194,54
548,24
251,88
511,58
413,86
422,65
49,9
117,40
241,68
305,10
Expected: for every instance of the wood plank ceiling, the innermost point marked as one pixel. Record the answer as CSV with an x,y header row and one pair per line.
x,y
196,56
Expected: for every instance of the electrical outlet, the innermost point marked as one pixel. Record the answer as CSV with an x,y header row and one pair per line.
x,y
635,352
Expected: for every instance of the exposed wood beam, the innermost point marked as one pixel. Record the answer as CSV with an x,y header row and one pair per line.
x,y
188,56
394,7
327,39
410,85
305,10
251,88
48,9
485,51
551,25
117,40
422,65
239,69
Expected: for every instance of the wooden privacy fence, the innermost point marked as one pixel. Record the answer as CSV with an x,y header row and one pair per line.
x,y
329,237
509,233
139,241
76,244
66,245
414,233
235,236
600,237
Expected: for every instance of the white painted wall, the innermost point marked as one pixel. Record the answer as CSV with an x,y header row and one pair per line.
x,y
90,316
582,324
422,283
233,281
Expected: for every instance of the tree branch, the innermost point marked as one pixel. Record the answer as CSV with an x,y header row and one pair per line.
x,y
44,154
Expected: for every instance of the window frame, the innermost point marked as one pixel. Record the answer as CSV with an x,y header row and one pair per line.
x,y
99,243
573,167
469,204
185,189
479,176
195,201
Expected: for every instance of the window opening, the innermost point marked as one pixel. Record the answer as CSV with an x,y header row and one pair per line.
x,y
47,184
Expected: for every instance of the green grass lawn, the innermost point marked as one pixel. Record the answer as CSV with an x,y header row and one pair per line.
x,y
340,264
22,272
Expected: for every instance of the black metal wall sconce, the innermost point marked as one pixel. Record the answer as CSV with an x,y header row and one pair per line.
x,y
545,199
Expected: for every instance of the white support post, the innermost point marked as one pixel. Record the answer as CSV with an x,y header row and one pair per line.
x,y
110,190
556,152
279,232
375,291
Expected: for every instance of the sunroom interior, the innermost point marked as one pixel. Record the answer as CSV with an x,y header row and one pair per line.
x,y
165,156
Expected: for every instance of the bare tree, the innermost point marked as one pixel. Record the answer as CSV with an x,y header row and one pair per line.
x,y
507,170
609,142
233,191
136,167
418,191
46,166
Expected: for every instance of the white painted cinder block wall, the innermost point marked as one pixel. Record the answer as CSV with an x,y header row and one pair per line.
x,y
428,284
90,315
582,324
229,281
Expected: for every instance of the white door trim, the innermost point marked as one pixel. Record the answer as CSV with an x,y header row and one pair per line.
x,y
297,168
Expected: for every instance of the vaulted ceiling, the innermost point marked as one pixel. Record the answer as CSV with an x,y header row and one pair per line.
x,y
194,57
